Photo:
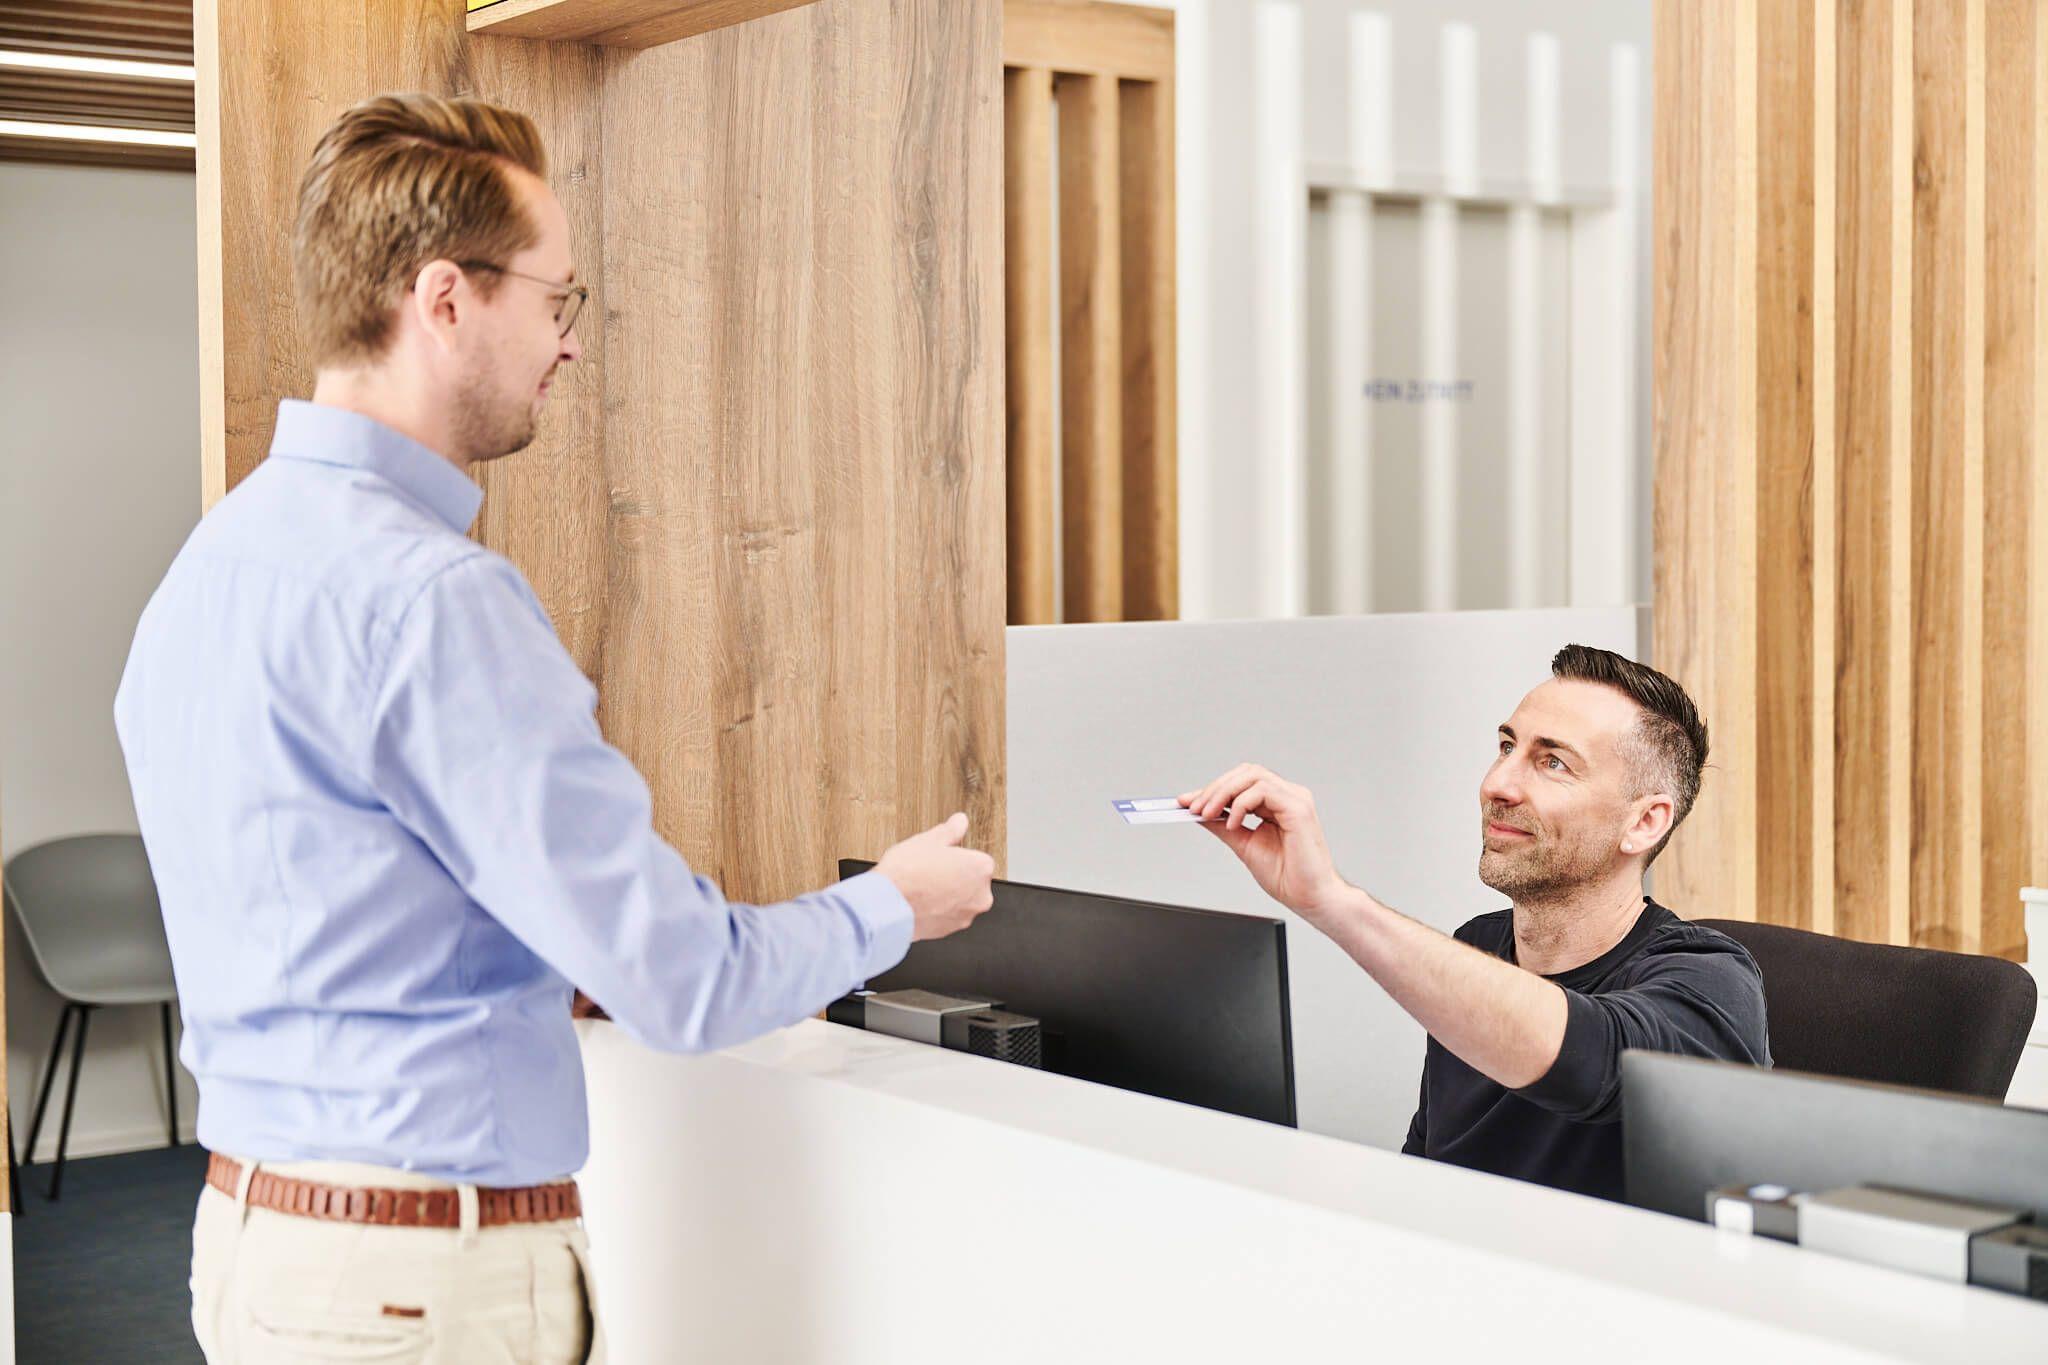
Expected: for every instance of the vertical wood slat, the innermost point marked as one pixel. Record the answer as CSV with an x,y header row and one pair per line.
x,y
1705,380
2012,183
1151,494
1785,452
1091,349
1865,403
1027,177
1824,498
2035,457
1947,467
1898,525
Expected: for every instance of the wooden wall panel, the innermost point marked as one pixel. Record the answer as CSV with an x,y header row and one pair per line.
x,y
1107,69
1895,343
760,510
1091,350
1028,237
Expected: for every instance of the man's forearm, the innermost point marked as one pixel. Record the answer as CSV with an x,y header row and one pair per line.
x,y
1502,1021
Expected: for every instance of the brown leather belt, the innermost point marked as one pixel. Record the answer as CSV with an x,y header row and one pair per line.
x,y
395,1208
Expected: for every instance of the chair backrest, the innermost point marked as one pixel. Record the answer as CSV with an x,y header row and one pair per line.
x,y
87,906
1874,1012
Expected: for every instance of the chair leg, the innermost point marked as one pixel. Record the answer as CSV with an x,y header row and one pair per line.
x,y
170,1075
70,1099
35,1123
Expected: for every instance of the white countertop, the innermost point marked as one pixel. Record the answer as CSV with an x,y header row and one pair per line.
x,y
769,1201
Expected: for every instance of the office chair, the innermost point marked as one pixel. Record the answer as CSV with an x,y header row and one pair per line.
x,y
1875,1012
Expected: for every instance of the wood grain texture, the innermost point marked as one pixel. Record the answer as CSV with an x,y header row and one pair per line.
x,y
618,23
211,240
1705,379
259,141
1901,610
1028,351
761,512
1078,37
1117,533
1946,452
2037,483
1151,485
1091,350
1785,453
1866,399
2009,589
1818,912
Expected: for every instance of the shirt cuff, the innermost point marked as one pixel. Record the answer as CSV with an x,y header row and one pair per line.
x,y
886,916
1586,1072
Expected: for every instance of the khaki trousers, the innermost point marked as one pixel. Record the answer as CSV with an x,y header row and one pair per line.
x,y
274,1287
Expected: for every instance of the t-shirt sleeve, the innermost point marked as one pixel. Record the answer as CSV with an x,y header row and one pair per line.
x,y
1705,1000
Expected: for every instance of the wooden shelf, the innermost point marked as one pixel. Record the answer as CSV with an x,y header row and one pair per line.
x,y
618,23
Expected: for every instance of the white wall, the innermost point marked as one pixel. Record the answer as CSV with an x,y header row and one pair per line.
x,y
1226,429
99,485
1388,719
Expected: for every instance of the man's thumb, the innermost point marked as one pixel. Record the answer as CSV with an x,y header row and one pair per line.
x,y
952,829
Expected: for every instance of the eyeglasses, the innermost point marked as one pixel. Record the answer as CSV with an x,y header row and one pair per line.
x,y
573,297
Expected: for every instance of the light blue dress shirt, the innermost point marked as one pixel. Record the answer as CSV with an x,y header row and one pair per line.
x,y
388,835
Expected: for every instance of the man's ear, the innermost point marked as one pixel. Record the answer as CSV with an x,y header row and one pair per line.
x,y
1654,815
440,299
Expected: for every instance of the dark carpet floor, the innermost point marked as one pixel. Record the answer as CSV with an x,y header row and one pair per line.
x,y
102,1274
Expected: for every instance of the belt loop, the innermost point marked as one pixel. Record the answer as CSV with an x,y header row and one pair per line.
x,y
465,1196
243,1180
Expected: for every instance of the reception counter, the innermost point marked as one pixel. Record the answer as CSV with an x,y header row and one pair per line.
x,y
825,1194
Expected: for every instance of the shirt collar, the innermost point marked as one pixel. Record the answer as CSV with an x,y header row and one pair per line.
x,y
330,435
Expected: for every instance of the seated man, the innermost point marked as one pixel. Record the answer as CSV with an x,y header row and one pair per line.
x,y
1529,1008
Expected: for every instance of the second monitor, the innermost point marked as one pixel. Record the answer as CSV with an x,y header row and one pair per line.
x,y
1185,1004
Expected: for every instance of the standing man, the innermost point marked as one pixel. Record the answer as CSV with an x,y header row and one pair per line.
x,y
1530,1008
386,830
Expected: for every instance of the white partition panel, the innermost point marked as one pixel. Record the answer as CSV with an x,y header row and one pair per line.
x,y
1388,719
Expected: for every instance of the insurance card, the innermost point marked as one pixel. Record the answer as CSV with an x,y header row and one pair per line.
x,y
1158,810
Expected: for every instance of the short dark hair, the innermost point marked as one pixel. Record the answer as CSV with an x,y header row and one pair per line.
x,y
1670,738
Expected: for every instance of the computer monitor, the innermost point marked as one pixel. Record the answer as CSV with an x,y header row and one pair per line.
x,y
1692,1125
1185,1004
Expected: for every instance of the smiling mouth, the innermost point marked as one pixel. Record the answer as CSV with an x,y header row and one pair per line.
x,y
1502,831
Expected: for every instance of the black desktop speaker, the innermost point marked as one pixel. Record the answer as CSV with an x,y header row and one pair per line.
x,y
1002,1035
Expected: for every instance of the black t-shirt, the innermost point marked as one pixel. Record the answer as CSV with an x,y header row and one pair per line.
x,y
1668,986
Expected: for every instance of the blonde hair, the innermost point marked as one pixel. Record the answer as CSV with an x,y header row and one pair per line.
x,y
396,182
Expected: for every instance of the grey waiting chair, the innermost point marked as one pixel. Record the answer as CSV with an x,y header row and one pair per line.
x,y
88,909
